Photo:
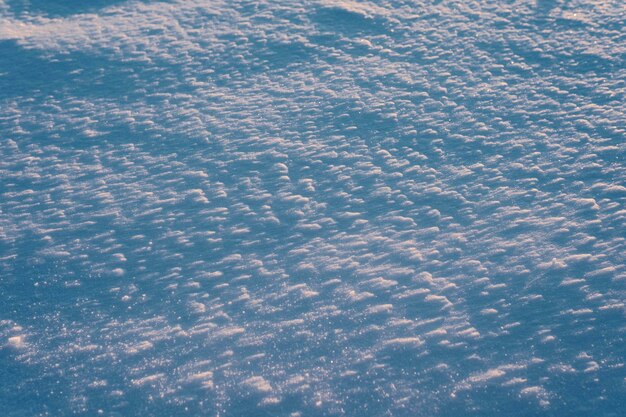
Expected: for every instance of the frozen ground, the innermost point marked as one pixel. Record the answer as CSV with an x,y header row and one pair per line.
x,y
312,208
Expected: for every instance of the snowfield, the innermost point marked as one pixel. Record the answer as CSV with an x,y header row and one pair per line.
x,y
312,208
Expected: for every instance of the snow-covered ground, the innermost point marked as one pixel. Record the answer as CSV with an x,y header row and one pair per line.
x,y
312,208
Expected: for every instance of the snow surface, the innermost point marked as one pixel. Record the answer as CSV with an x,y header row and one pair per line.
x,y
312,208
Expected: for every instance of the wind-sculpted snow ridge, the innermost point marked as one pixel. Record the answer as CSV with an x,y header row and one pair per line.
x,y
315,208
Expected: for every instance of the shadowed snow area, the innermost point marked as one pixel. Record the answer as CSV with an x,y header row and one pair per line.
x,y
312,208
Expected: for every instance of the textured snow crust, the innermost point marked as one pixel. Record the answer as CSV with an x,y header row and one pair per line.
x,y
312,208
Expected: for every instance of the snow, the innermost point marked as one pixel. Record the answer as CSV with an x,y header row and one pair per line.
x,y
367,208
